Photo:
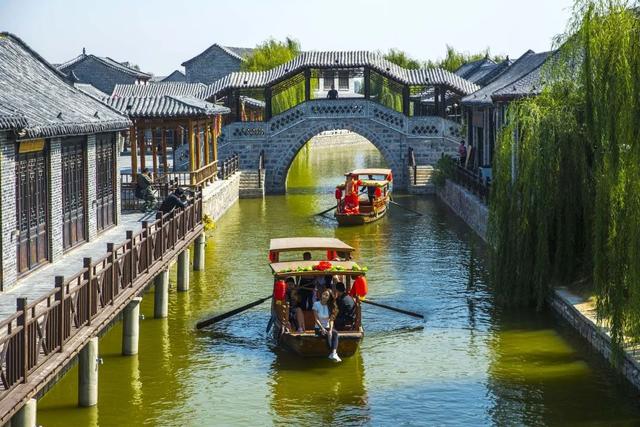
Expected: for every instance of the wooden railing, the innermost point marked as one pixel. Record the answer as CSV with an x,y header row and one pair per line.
x,y
205,174
229,166
39,329
473,182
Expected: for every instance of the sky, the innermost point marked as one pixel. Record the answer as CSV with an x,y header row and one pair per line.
x,y
159,35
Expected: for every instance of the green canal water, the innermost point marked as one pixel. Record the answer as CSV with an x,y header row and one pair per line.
x,y
470,363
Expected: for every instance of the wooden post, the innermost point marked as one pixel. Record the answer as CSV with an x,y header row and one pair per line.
x,y
59,282
134,152
192,147
143,148
114,271
21,306
198,146
216,131
165,162
147,244
367,83
132,260
154,153
206,143
307,84
86,262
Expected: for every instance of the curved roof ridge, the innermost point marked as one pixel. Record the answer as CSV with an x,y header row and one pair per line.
x,y
339,59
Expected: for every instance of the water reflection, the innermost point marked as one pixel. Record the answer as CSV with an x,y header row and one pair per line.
x,y
313,392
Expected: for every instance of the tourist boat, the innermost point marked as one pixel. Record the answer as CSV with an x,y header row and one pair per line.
x,y
285,256
374,181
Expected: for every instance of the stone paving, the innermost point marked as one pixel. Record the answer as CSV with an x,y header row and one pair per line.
x,y
41,281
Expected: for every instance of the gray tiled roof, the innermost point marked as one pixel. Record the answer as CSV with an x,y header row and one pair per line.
x,y
164,106
90,90
237,52
176,76
529,84
467,70
36,99
156,89
521,67
431,76
111,63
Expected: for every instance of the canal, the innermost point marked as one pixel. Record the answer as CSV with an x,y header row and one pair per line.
x,y
469,363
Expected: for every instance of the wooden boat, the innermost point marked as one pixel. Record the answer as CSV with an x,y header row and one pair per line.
x,y
307,343
374,180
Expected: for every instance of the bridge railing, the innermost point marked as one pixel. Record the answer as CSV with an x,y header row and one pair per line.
x,y
41,328
229,166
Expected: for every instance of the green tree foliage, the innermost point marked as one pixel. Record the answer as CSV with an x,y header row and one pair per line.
x,y
402,59
270,54
454,59
566,195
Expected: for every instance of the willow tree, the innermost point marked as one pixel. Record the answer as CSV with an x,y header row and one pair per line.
x,y
566,196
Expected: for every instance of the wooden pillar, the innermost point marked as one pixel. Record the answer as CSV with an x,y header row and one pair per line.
x,y
163,141
367,83
216,131
192,147
134,151
443,101
198,146
142,146
307,84
406,108
154,153
267,103
207,129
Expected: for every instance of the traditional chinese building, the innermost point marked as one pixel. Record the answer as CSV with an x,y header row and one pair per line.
x,y
485,109
101,72
214,63
60,185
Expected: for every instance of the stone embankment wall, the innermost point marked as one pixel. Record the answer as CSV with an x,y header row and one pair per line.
x,y
467,206
218,197
566,305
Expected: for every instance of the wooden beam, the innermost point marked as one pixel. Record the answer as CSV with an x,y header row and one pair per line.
x,y
198,159
216,131
267,103
307,84
406,108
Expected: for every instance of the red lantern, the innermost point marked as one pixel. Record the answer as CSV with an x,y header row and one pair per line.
x,y
378,192
273,256
338,193
359,287
331,255
280,290
390,177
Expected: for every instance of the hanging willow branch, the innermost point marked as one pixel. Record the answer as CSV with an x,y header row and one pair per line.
x,y
566,193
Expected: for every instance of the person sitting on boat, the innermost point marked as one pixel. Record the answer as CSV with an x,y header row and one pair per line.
x,y
346,318
296,315
324,312
351,199
307,286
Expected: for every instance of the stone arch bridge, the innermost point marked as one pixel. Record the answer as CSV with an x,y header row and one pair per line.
x,y
392,133
279,110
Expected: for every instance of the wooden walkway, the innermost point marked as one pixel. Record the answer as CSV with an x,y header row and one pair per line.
x,y
41,337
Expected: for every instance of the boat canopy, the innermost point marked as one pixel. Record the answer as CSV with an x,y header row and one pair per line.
x,y
370,171
289,244
305,268
369,183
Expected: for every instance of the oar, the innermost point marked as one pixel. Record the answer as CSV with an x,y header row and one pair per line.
x,y
325,211
210,321
405,208
388,307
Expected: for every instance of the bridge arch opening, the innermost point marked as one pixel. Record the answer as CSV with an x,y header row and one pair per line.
x,y
321,161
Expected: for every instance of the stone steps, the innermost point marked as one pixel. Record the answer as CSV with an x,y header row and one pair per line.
x,y
422,183
250,184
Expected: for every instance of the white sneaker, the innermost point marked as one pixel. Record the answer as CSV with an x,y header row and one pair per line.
x,y
334,356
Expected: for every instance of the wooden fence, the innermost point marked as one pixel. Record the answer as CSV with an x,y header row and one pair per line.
x,y
43,328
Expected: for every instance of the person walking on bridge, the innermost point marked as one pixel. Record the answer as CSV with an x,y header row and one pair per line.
x,y
333,93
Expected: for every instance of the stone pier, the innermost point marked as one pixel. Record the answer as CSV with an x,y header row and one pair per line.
x,y
161,295
131,327
183,271
88,374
